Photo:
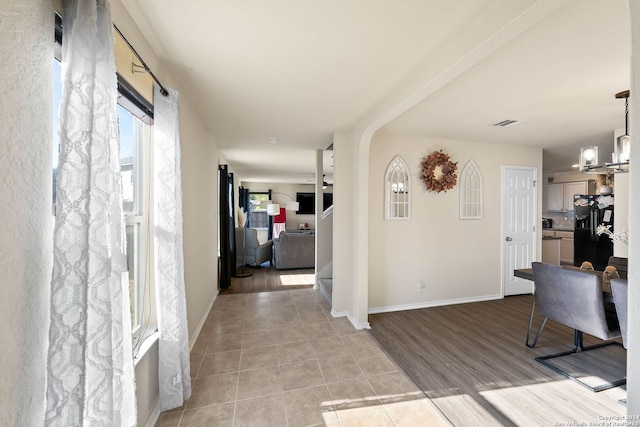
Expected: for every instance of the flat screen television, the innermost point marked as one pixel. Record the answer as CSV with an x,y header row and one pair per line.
x,y
307,203
327,200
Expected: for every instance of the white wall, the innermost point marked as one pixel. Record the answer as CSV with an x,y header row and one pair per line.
x,y
26,42
633,367
343,225
456,259
200,217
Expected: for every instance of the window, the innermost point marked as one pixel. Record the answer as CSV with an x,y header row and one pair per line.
x,y
135,134
397,190
258,215
134,140
470,192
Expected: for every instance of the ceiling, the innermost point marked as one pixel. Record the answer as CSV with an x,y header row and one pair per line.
x,y
297,71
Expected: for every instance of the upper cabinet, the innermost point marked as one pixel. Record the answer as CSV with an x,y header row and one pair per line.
x,y
560,196
555,197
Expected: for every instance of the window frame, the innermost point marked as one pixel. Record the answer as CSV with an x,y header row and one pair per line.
x,y
258,208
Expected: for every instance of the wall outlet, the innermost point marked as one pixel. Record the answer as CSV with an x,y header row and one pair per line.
x,y
420,286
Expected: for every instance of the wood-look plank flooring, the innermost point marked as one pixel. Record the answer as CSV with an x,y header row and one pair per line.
x,y
268,279
471,360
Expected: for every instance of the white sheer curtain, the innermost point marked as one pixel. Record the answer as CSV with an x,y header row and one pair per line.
x,y
90,379
175,380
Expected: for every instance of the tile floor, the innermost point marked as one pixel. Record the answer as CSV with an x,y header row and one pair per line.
x,y
280,359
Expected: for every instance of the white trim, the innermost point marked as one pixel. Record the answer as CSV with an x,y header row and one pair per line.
x,y
358,326
146,343
337,314
192,340
429,304
364,325
155,415
327,212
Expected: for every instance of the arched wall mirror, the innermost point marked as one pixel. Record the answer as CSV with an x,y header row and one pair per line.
x,y
397,190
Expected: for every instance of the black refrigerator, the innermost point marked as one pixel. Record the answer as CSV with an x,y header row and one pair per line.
x,y
590,212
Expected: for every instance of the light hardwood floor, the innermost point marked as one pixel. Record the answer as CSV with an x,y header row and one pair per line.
x,y
470,359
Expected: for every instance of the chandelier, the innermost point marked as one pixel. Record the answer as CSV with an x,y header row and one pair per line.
x,y
619,158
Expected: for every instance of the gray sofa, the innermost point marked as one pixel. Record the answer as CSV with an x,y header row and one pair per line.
x,y
256,253
294,250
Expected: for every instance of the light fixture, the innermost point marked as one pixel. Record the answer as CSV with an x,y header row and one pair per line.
x,y
290,206
273,209
588,157
623,142
324,183
589,163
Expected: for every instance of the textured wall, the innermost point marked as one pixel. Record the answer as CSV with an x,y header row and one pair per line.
x,y
430,245
633,352
26,43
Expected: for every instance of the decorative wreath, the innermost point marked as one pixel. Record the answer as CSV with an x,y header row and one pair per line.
x,y
449,176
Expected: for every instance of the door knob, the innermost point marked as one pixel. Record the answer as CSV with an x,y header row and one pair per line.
x,y
508,239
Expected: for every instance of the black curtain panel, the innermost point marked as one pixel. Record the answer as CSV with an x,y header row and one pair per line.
x,y
232,225
227,238
243,202
270,223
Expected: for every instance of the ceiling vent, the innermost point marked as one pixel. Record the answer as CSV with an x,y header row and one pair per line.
x,y
505,123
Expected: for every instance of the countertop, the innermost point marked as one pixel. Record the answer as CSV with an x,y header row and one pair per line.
x,y
557,229
551,238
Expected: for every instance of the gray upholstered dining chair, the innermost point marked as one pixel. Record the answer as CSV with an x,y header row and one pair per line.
x,y
574,298
621,264
619,290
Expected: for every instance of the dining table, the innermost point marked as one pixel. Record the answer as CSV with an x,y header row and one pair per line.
x,y
527,274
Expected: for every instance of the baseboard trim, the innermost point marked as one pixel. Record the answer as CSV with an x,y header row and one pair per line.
x,y
192,340
155,415
428,304
363,325
339,313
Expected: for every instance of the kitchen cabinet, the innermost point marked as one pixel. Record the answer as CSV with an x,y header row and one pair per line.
x,y
555,197
572,188
566,246
563,244
551,250
560,196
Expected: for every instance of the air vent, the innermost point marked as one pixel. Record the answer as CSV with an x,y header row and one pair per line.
x,y
505,123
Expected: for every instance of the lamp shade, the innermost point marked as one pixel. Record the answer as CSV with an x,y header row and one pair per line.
x,y
273,209
588,157
621,149
292,206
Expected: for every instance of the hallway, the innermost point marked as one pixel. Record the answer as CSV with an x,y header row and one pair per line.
x,y
280,359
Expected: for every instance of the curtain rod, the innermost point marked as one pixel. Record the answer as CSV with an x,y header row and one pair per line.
x,y
163,91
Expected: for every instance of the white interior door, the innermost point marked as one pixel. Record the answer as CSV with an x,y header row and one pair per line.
x,y
518,226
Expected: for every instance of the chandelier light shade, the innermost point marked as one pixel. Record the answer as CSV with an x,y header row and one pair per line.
x,y
588,157
621,149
